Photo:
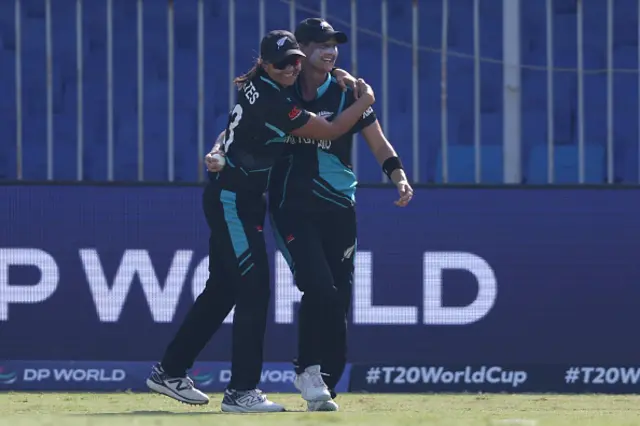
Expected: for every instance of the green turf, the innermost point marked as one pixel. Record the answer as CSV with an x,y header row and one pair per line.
x,y
460,410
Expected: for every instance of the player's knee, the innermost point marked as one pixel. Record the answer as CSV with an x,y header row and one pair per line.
x,y
323,295
315,280
254,295
253,305
259,296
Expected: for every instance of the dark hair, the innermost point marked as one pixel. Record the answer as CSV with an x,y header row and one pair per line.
x,y
242,79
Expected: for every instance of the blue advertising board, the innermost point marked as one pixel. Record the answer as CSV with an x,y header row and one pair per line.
x,y
115,376
492,378
460,277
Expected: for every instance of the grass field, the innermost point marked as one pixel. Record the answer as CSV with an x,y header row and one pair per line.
x,y
461,410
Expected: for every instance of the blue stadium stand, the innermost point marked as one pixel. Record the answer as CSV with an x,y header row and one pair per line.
x,y
566,165
369,56
462,165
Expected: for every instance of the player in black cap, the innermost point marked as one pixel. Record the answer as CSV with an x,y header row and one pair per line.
x,y
312,202
235,207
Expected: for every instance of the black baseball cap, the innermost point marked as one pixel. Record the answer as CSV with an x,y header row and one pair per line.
x,y
318,31
278,45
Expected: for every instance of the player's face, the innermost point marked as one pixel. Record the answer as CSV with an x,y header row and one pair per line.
x,y
286,71
321,56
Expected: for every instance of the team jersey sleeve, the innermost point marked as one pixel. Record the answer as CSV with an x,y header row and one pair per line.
x,y
368,117
285,114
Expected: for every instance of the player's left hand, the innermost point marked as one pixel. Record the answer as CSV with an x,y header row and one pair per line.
x,y
345,80
213,165
406,193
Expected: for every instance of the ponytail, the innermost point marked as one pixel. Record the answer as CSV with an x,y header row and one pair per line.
x,y
241,80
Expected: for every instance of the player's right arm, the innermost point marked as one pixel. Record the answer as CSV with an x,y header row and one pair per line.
x,y
292,119
213,165
217,146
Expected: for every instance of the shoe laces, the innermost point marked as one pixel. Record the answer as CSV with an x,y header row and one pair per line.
x,y
316,379
184,380
257,393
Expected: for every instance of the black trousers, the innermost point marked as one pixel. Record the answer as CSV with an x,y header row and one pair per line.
x,y
320,248
238,276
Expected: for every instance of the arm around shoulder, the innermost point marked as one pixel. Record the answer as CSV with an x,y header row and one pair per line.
x,y
319,128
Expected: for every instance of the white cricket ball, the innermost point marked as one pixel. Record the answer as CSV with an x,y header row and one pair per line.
x,y
220,159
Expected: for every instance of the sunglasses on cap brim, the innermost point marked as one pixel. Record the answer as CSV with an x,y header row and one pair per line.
x,y
292,60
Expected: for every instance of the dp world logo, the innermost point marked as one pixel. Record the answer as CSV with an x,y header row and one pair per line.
x,y
202,377
7,377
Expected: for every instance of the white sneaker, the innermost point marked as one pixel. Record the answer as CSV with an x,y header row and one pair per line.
x,y
252,401
329,405
179,388
311,385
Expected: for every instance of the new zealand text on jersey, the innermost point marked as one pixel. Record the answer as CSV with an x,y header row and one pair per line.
x,y
321,143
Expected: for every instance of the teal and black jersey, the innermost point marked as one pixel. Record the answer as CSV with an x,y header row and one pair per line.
x,y
256,131
317,174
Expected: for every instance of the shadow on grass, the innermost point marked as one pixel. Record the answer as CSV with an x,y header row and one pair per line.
x,y
175,413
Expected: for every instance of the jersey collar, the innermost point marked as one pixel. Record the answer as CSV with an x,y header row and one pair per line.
x,y
265,77
320,91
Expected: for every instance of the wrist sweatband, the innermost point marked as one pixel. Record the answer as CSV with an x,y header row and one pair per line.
x,y
391,164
